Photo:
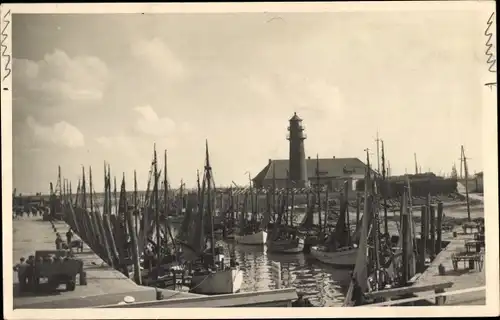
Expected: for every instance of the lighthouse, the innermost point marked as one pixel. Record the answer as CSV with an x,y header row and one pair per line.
x,y
297,168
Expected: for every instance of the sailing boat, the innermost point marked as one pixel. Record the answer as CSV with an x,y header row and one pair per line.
x,y
284,239
254,237
343,256
213,276
346,255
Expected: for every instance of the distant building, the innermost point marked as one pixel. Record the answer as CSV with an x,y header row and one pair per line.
x,y
333,172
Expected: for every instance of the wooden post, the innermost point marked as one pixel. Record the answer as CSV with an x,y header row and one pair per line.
x,y
424,235
439,226
466,183
401,208
135,248
308,201
347,217
432,218
405,231
358,208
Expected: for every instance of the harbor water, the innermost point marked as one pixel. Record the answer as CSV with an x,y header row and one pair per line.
x,y
322,284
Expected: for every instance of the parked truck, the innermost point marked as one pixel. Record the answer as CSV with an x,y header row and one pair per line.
x,y
57,267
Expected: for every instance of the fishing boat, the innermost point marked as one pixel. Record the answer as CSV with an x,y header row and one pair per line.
x,y
211,273
258,238
284,238
250,232
217,282
295,245
344,257
220,280
339,249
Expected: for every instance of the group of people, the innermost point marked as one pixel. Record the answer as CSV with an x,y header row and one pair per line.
x,y
33,212
70,243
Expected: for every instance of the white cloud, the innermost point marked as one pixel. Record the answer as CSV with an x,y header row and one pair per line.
x,y
315,98
59,77
61,133
151,124
156,53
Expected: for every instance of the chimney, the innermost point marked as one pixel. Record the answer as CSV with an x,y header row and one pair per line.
x,y
308,158
333,157
270,160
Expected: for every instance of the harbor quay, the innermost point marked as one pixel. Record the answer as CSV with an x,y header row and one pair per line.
x,y
107,287
462,276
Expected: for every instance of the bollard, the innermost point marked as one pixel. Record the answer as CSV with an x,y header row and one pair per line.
x,y
83,278
159,294
441,270
440,300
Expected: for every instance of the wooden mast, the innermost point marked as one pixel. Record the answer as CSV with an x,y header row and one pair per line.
x,y
384,190
157,214
416,164
318,186
136,210
274,193
166,201
466,172
208,171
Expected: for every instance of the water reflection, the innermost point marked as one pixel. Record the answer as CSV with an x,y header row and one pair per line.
x,y
320,283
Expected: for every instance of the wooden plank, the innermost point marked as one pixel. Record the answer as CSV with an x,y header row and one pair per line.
x,y
388,293
435,295
277,297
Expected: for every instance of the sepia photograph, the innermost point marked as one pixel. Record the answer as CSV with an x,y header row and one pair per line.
x,y
273,157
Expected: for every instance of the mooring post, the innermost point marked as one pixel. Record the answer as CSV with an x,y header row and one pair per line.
x,y
358,207
439,226
423,239
405,232
308,200
432,218
135,247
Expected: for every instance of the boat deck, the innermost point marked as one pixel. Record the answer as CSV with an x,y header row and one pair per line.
x,y
104,286
462,278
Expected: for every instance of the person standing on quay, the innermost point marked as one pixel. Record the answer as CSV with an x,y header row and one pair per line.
x,y
69,237
22,268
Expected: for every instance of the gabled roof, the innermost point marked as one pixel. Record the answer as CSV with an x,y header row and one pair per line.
x,y
330,167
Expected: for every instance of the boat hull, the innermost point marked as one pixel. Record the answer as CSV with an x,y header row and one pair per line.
x,y
339,259
258,238
286,246
220,282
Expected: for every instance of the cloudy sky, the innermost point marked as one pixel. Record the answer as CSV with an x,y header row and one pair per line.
x,y
90,88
